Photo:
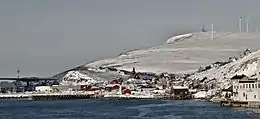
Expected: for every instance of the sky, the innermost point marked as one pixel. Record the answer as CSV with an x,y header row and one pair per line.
x,y
46,37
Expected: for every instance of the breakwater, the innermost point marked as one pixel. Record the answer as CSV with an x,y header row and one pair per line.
x,y
49,96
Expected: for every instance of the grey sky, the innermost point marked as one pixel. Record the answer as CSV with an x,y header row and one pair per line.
x,y
44,37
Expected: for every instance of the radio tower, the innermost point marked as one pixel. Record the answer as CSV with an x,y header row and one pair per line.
x,y
18,73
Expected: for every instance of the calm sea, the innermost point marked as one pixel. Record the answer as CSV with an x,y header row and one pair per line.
x,y
121,109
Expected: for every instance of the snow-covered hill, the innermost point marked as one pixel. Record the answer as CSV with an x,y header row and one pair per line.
x,y
77,78
248,65
183,53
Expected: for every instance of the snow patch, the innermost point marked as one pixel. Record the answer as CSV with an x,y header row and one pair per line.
x,y
77,78
178,38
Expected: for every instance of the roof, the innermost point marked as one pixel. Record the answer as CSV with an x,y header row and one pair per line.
x,y
112,85
238,77
7,84
248,81
180,87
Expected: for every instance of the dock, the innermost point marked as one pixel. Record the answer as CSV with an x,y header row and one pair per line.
x,y
246,104
49,96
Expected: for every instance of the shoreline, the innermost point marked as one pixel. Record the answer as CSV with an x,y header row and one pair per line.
x,y
71,96
75,96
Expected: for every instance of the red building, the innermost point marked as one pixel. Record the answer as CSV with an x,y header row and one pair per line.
x,y
126,91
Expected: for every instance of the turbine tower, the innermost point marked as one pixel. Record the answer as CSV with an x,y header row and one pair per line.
x,y
212,32
240,24
247,25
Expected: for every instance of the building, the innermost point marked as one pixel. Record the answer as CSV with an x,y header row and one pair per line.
x,y
111,87
6,87
126,91
180,92
62,88
43,89
245,88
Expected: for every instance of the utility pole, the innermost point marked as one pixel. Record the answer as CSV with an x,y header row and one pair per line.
x,y
18,73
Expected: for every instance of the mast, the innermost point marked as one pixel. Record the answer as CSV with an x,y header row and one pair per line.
x,y
18,73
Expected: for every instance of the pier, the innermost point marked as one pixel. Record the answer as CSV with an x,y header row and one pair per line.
x,y
49,96
246,104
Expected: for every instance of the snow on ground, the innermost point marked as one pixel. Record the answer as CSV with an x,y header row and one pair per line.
x,y
183,53
247,65
77,78
179,38
200,95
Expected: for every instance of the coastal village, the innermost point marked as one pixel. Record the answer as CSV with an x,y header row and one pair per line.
x,y
136,86
242,91
218,82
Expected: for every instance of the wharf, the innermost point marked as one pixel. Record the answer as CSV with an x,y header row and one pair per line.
x,y
48,96
247,104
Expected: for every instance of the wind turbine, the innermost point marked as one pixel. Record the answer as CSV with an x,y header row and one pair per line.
x,y
240,24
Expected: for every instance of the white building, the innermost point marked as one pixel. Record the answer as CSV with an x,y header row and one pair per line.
x,y
43,89
245,88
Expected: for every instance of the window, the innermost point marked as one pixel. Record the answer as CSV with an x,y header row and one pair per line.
x,y
258,85
249,85
244,94
246,85
240,86
254,96
253,85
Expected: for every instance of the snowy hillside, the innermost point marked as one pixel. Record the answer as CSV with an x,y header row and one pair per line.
x,y
77,78
183,53
221,75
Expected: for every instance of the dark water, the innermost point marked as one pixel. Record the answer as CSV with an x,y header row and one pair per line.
x,y
117,109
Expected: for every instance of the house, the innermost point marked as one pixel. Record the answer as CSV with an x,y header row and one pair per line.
x,y
126,91
7,87
227,92
114,82
61,88
245,88
43,89
110,87
180,92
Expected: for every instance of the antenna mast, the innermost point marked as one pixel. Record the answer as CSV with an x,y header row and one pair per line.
x,y
18,73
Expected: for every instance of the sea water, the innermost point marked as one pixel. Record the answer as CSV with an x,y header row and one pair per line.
x,y
121,109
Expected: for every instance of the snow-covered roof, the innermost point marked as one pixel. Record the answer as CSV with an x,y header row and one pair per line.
x,y
180,87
